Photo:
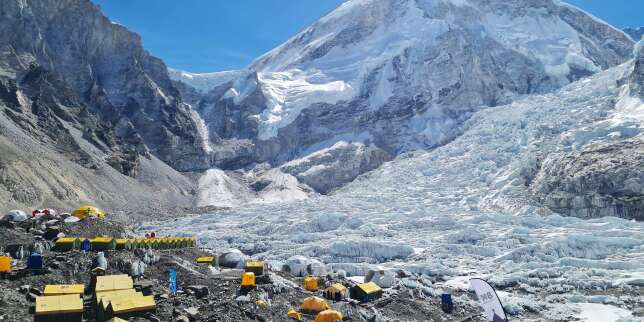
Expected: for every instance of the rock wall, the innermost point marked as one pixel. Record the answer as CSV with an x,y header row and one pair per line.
x,y
600,180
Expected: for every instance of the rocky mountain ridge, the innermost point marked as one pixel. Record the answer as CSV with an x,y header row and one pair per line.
x,y
395,75
87,115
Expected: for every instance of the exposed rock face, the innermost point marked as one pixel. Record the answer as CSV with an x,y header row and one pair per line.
x,y
73,62
602,180
86,113
396,74
636,79
333,167
635,32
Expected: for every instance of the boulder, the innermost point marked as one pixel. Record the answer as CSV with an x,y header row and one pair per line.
x,y
199,290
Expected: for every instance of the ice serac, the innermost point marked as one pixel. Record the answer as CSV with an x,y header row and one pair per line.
x,y
399,74
604,178
330,168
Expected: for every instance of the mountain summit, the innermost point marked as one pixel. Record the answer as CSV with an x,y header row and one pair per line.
x,y
397,75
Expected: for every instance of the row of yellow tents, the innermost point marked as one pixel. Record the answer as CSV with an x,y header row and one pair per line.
x,y
108,243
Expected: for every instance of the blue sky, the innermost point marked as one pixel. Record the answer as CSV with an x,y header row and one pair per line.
x,y
214,35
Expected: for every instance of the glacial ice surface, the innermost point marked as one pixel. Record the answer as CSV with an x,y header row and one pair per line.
x,y
460,210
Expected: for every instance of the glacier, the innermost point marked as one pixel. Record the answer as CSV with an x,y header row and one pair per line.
x,y
464,209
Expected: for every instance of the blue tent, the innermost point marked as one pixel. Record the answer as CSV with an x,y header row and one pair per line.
x,y
34,261
86,245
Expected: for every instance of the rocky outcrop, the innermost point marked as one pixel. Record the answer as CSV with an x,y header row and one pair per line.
x,y
330,168
398,75
636,79
635,32
96,75
600,180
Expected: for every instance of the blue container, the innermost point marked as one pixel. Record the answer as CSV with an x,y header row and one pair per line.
x,y
34,261
446,299
86,245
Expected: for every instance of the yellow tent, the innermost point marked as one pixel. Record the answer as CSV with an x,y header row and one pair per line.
x,y
88,211
329,316
336,292
310,283
314,304
294,315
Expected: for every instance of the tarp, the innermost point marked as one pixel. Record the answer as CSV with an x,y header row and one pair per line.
x,y
52,290
489,300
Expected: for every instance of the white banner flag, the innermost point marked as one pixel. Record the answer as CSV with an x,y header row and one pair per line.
x,y
489,300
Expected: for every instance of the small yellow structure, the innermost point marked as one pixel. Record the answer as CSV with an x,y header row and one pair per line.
x,y
294,315
257,267
314,304
311,283
68,308
88,211
121,243
366,292
329,316
128,307
248,280
103,300
5,264
103,243
336,292
205,260
53,290
67,243
113,283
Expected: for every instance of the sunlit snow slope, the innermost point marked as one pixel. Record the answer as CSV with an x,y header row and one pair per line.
x,y
464,209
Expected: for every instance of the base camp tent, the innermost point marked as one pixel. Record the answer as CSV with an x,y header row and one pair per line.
x,y
366,292
15,215
88,211
336,292
314,304
329,316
